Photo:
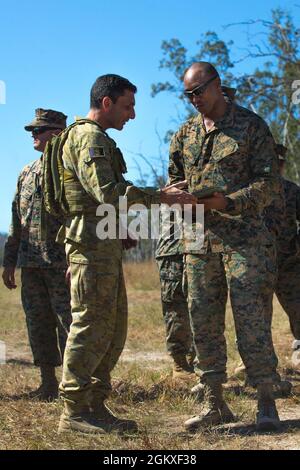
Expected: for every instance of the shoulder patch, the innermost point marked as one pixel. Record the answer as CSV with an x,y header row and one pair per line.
x,y
97,151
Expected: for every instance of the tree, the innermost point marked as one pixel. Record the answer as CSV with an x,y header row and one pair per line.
x,y
268,90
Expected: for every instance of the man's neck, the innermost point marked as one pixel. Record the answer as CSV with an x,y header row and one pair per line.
x,y
96,115
215,114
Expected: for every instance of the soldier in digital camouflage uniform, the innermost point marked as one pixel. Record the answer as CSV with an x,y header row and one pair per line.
x,y
93,176
282,218
45,294
288,250
170,262
228,150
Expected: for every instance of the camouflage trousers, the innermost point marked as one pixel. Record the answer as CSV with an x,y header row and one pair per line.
x,y
174,305
246,273
286,287
46,302
287,290
97,334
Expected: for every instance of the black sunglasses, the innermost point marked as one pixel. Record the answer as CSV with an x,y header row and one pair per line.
x,y
40,130
199,90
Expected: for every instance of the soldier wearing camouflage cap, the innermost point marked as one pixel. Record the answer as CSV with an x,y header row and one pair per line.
x,y
45,294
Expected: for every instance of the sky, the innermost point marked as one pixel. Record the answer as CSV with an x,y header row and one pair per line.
x,y
51,52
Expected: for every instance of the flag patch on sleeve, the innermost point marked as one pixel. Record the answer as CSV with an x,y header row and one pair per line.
x,y
96,152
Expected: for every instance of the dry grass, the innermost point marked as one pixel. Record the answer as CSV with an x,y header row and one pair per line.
x,y
143,388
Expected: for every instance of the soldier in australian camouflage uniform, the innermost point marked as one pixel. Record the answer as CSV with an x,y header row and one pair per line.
x,y
31,240
228,150
93,175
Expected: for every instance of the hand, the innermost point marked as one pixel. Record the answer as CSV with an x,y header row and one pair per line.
x,y
8,277
173,195
68,276
217,202
129,242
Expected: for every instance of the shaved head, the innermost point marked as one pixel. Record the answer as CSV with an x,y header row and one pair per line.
x,y
201,71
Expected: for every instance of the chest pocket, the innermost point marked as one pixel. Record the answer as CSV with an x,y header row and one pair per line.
x,y
226,147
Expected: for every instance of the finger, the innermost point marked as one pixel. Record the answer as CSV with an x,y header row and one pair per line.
x,y
179,185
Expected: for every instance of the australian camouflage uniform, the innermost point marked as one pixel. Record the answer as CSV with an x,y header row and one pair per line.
x,y
236,157
31,244
93,176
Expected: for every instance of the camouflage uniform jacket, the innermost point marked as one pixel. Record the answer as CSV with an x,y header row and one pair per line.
x,y
238,157
93,161
25,238
287,225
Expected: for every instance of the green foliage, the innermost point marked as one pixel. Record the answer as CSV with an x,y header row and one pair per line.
x,y
176,60
268,90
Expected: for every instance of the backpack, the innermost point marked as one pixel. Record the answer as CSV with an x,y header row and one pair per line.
x,y
53,172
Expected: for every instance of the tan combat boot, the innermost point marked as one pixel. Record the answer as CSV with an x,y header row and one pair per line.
x,y
217,411
78,418
181,369
109,421
48,390
267,418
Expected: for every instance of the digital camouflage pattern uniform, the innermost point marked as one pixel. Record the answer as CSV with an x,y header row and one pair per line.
x,y
170,262
45,295
238,157
93,175
288,253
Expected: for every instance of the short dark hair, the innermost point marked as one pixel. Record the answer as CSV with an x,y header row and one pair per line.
x,y
109,85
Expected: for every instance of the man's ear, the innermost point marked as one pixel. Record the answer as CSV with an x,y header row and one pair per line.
x,y
106,103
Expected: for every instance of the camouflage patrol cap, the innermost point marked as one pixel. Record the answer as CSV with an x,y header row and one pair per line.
x,y
281,151
47,118
230,92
